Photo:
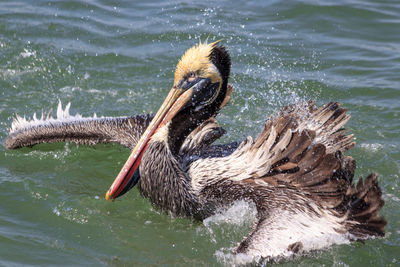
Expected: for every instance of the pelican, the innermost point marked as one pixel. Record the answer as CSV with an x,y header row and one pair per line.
x,y
294,171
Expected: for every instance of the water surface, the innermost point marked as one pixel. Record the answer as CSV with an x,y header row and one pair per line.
x,y
117,58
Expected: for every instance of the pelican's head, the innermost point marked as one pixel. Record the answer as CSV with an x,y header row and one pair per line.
x,y
199,89
202,72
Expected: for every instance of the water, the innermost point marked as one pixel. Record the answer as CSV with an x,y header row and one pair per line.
x,y
117,58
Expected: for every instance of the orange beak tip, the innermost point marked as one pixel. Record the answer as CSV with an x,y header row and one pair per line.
x,y
108,196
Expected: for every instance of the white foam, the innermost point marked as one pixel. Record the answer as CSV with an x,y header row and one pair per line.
x,y
71,214
27,53
392,197
371,147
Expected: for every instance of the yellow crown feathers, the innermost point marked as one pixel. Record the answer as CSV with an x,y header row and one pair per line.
x,y
197,59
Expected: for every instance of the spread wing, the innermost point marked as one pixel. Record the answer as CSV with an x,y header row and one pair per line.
x,y
92,130
293,146
301,183
75,128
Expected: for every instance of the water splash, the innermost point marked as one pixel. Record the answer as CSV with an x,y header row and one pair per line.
x,y
240,213
71,214
231,223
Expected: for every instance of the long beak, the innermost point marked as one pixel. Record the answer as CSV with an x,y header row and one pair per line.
x,y
128,175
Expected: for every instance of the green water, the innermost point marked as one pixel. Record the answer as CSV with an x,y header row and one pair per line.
x,y
117,58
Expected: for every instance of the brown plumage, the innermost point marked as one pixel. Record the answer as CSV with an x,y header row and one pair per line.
x,y
294,171
85,131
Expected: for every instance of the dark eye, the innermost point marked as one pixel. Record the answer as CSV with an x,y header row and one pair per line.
x,y
191,76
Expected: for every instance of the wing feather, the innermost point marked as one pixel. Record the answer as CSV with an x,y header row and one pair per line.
x,y
75,128
297,147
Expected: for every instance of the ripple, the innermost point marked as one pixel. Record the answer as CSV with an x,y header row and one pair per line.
x,y
117,58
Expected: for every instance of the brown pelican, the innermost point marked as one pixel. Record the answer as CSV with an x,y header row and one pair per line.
x,y
294,171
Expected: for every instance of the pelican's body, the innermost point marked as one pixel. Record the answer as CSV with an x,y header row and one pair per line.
x,y
294,171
